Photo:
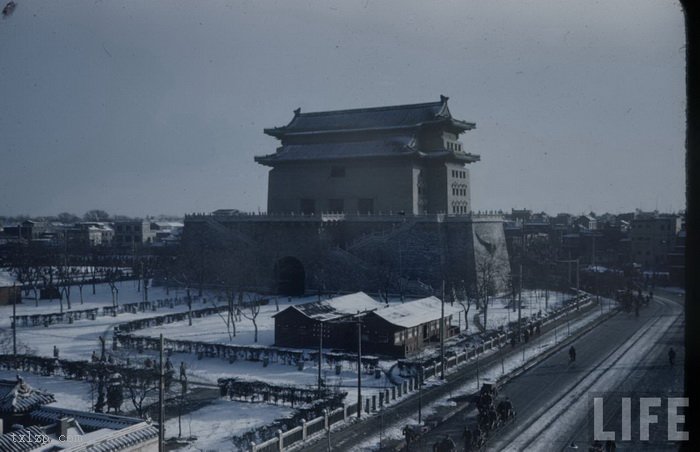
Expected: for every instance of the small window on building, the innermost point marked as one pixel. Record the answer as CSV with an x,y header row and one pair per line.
x,y
307,206
337,171
365,205
336,205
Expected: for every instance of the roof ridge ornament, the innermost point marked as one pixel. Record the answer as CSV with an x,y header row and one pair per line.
x,y
444,98
297,111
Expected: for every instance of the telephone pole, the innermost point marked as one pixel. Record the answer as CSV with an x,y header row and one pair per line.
x,y
161,402
520,299
320,356
359,367
442,333
14,324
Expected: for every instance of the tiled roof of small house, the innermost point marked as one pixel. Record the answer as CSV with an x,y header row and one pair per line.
x,y
105,440
337,307
87,420
10,441
16,396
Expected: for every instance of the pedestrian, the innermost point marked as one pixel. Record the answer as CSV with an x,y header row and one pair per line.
x,y
671,356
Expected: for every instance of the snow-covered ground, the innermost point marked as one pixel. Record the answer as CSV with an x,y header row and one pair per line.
x,y
213,328
533,301
214,425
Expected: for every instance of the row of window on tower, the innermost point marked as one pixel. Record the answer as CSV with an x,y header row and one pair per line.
x,y
454,146
460,208
457,174
459,189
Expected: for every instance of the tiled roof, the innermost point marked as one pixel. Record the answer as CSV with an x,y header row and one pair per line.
x,y
9,441
113,441
392,146
396,116
16,396
88,421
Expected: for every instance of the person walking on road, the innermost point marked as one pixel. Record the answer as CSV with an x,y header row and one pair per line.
x,y
572,354
672,356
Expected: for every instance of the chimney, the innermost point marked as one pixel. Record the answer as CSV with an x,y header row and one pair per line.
x,y
63,425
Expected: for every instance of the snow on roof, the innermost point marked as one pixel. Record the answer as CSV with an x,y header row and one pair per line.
x,y
87,420
16,396
414,313
338,306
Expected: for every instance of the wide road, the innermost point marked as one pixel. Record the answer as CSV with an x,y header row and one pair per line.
x,y
348,438
552,398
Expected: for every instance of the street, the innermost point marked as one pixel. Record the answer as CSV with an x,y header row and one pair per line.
x,y
551,398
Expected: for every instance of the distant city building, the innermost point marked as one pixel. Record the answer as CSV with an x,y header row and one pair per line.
x,y
132,232
653,237
90,234
167,233
587,222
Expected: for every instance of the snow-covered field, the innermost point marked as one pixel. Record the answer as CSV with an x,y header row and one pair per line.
x,y
533,301
78,340
213,328
214,425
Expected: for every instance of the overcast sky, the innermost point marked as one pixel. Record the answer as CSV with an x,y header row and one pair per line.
x,y
150,107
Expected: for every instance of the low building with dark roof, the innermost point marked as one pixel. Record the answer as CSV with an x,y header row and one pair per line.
x,y
404,329
300,325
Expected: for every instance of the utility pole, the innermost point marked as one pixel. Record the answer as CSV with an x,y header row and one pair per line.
x,y
520,299
14,324
161,402
442,333
320,356
359,367
420,393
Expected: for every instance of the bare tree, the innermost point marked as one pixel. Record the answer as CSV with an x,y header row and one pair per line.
x,y
253,309
65,275
112,275
464,298
485,283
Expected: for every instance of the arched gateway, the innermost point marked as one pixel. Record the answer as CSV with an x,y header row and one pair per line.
x,y
290,276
